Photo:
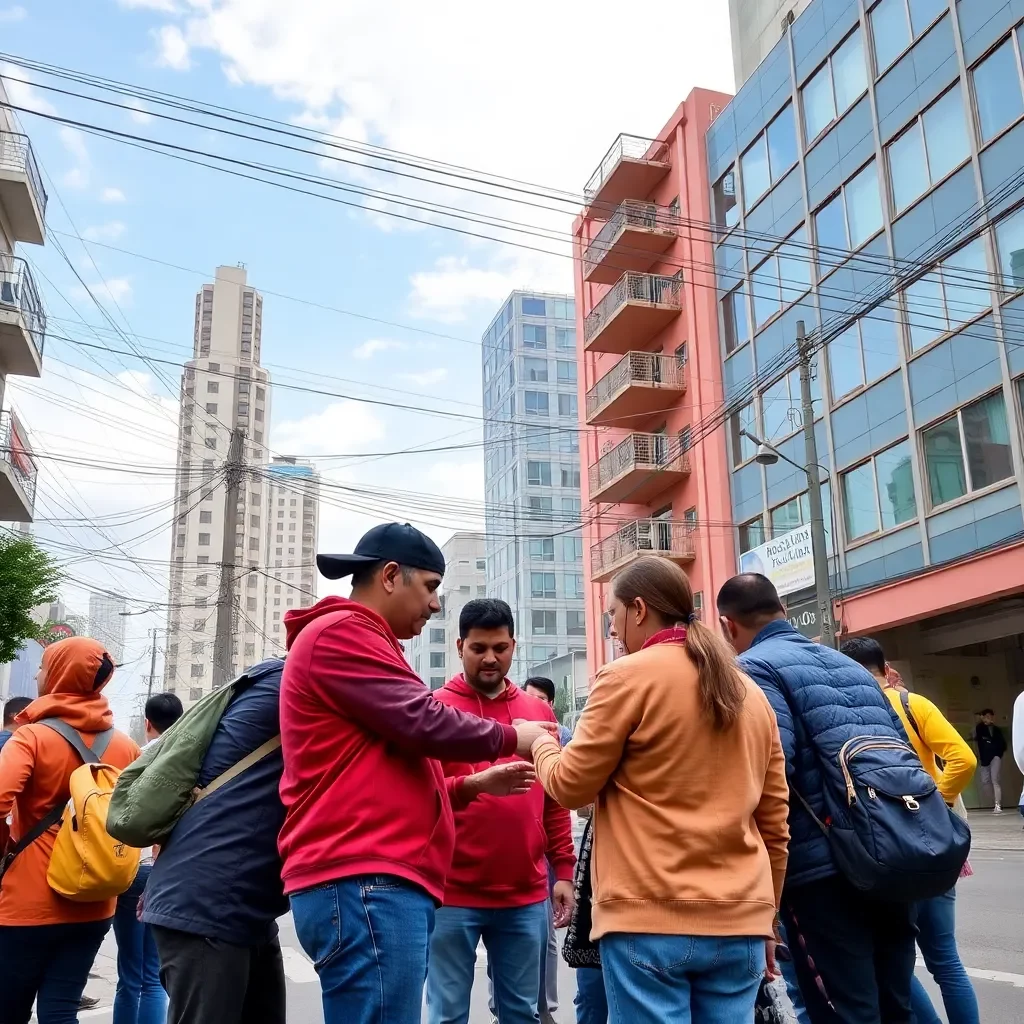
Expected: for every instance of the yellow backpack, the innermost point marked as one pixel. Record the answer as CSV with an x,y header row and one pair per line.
x,y
87,863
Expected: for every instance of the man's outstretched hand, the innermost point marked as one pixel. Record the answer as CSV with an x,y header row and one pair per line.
x,y
563,903
510,779
530,732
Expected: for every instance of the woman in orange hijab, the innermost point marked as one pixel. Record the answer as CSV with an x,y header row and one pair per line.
x,y
48,943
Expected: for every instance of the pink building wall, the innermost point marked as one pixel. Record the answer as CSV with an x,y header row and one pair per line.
x,y
707,487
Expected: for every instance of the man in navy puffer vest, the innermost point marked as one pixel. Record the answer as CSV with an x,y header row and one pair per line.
x,y
854,956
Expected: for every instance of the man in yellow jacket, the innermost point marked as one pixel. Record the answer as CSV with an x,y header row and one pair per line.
x,y
951,762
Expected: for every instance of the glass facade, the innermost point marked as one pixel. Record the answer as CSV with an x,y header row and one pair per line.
x,y
532,474
894,234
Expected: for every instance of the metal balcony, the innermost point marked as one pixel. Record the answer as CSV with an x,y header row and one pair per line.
x,y
632,312
641,537
634,237
638,469
630,169
641,384
21,189
22,320
18,471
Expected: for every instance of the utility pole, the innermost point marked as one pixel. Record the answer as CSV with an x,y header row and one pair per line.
x,y
152,667
819,550
234,470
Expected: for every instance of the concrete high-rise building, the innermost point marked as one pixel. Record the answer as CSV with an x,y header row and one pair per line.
x,y
223,389
293,525
532,474
756,26
433,654
107,622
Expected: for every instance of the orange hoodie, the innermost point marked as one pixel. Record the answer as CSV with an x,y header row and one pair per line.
x,y
35,766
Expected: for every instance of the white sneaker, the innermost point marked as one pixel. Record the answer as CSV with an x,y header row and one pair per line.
x,y
997,809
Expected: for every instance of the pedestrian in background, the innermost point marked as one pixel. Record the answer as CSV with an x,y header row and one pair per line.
x,y
854,955
681,755
991,747
369,832
497,888
47,942
140,997
949,760
12,709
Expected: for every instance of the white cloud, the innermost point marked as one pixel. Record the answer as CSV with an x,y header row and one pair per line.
x,y
340,425
368,349
426,378
74,142
20,91
139,113
11,14
166,6
172,48
107,232
118,289
453,286
77,178
111,195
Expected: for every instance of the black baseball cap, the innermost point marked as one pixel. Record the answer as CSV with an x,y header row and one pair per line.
x,y
389,542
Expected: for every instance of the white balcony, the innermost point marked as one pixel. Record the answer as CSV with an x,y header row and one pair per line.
x,y
641,537
18,471
22,320
22,195
636,234
638,469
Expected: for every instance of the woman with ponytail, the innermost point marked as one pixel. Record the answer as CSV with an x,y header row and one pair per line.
x,y
680,754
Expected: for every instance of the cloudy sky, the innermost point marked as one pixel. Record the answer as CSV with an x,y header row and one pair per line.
x,y
368,311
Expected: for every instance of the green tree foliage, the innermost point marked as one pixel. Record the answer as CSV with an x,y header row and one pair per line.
x,y
562,702
28,577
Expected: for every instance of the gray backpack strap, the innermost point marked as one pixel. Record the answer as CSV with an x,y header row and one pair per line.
x,y
74,737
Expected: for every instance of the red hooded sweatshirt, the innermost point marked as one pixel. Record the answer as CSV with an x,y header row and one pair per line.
x,y
362,791
503,844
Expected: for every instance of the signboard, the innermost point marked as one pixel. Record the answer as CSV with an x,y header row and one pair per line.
x,y
787,561
804,617
54,631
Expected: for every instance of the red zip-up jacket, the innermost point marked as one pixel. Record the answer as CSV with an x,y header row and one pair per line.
x,y
503,845
362,791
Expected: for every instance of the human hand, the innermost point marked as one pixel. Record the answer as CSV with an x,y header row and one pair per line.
x,y
563,902
510,779
530,732
771,968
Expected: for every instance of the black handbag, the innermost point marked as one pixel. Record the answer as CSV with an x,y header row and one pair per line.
x,y
578,950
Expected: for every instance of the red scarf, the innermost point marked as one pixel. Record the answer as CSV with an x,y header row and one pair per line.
x,y
672,635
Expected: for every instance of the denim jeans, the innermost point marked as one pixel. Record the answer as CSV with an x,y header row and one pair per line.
x,y
936,923
515,939
591,1002
547,1001
651,979
48,963
367,938
140,998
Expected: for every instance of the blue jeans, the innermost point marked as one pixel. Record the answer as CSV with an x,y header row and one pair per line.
x,y
591,1002
140,998
515,939
936,923
651,979
367,938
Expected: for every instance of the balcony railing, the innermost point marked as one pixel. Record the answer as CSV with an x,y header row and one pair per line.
x,y
18,292
16,155
15,451
625,147
654,289
631,213
638,452
644,368
642,537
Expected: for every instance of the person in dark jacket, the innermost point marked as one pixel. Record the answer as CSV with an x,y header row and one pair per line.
x,y
215,891
991,747
12,709
854,956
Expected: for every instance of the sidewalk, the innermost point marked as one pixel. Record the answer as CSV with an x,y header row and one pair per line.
x,y
997,831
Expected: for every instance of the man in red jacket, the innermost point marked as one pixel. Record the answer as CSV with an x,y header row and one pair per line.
x,y
368,833
497,887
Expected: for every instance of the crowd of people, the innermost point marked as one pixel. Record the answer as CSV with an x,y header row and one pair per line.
x,y
403,829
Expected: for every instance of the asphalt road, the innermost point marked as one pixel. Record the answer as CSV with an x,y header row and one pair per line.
x,y
990,932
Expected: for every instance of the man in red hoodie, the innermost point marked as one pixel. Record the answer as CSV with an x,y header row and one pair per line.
x,y
497,887
368,833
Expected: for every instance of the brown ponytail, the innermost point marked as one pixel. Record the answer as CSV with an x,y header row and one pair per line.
x,y
665,589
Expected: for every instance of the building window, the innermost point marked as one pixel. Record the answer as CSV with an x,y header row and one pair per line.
x,y
771,155
542,549
566,371
948,298
437,659
195,693
535,336
538,474
197,671
834,88
204,540
211,442
967,451
574,584
536,403
682,355
198,625
535,369
540,507
929,149
481,564
206,517
849,218
864,352
437,636
742,447
1010,252
542,584
726,212
212,387
790,515
690,518
211,408
534,307
781,406
735,323
752,534
575,623
567,405
781,279
892,29
544,623
997,91
436,682
565,339
879,494
202,581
